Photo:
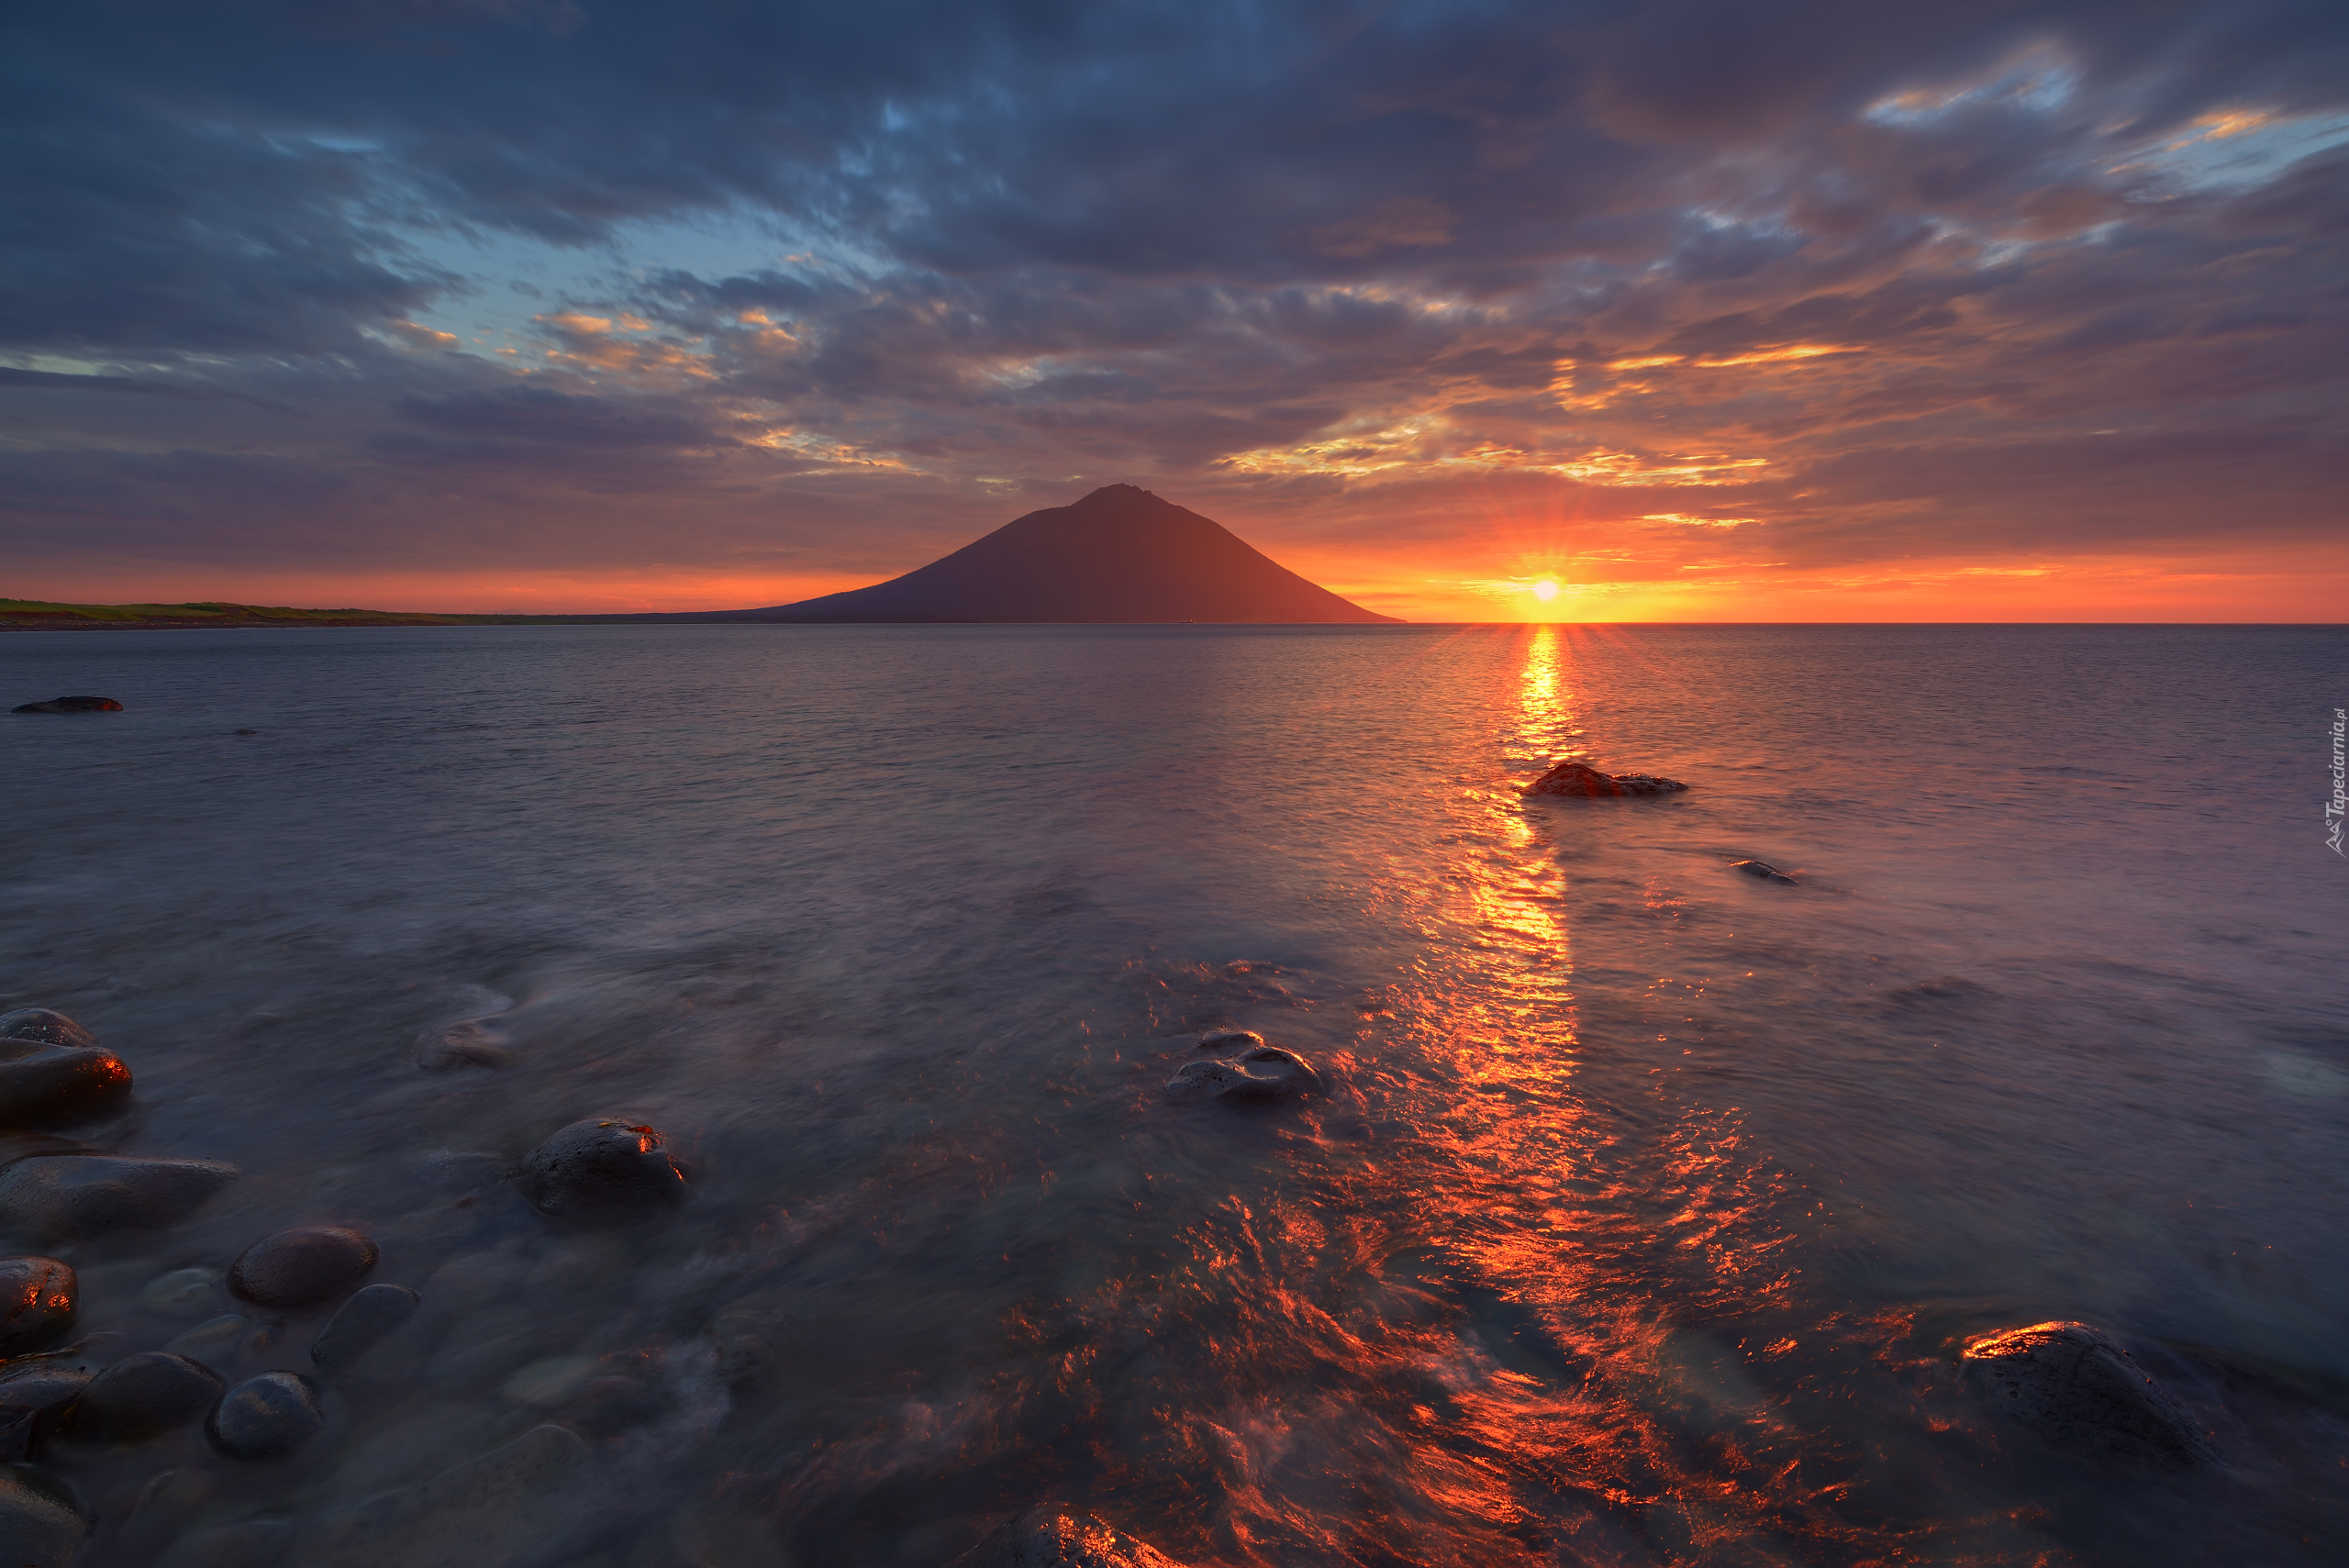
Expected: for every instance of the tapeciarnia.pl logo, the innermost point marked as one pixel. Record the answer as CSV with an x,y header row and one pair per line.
x,y
2337,807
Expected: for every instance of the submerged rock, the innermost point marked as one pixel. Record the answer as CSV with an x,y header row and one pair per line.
x,y
44,1025
302,1267
42,1086
1048,1537
69,705
141,1397
499,1509
216,1341
1267,1073
1230,1039
265,1417
2075,1387
32,1400
1764,872
183,1293
38,1299
595,1169
1581,778
41,1522
58,1197
365,1320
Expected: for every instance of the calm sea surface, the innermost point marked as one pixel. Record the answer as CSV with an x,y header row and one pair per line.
x,y
1641,1221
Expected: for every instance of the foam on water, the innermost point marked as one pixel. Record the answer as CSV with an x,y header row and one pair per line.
x,y
1641,1220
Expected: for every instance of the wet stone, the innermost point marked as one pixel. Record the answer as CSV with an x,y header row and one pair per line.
x,y
365,1320
214,1341
59,1197
600,1169
1582,779
266,1417
2078,1389
1230,1040
33,1398
45,1027
1267,1073
1764,873
1048,1537
141,1397
183,1293
69,705
38,1299
41,1522
300,1268
48,1086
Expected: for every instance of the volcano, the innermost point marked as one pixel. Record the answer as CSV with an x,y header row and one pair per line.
x,y
1119,554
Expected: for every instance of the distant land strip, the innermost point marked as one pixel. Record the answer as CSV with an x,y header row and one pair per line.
x,y
44,615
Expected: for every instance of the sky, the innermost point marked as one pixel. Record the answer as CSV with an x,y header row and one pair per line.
x,y
1803,311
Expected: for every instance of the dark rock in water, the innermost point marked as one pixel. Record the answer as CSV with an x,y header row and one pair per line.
x,y
215,1340
38,1299
1230,1039
1765,873
69,705
42,1024
1047,1537
57,1196
600,1168
41,1522
1581,778
301,1268
1267,1073
141,1397
365,1320
46,1085
487,1512
265,1417
32,1399
2075,1387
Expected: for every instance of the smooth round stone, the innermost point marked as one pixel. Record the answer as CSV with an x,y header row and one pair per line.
x,y
38,1299
56,1083
45,1024
600,1168
41,1523
267,1416
141,1397
183,1293
32,1400
65,1196
2078,1389
1267,1073
302,1268
365,1320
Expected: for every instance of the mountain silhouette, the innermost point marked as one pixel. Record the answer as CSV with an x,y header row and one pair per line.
x,y
1119,554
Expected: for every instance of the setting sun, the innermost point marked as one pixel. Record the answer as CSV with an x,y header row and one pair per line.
x,y
1545,589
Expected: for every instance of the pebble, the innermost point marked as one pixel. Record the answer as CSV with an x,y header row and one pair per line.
x,y
50,1084
45,1026
302,1268
2075,1387
1764,872
141,1397
1048,1537
38,1299
1267,1073
499,1507
32,1398
600,1168
41,1522
266,1417
62,1196
183,1293
365,1320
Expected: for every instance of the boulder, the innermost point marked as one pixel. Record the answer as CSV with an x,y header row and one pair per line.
x,y
43,1086
41,1522
60,1197
141,1397
38,1299
1267,1073
1764,873
45,1026
2075,1387
500,1508
300,1268
1049,1538
33,1398
266,1417
1581,778
600,1169
69,705
365,1320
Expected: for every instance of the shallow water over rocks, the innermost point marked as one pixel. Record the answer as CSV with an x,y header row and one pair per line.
x,y
1641,1216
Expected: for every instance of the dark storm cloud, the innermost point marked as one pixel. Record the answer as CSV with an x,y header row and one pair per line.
x,y
1292,247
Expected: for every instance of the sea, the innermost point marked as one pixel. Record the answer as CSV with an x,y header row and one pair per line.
x,y
1641,1217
